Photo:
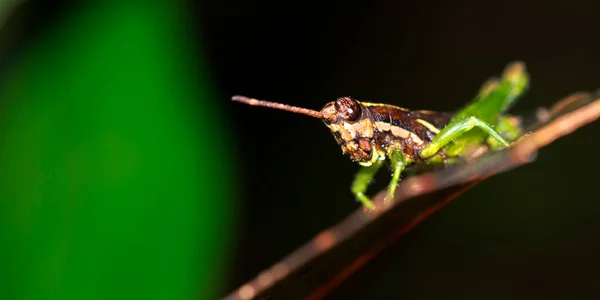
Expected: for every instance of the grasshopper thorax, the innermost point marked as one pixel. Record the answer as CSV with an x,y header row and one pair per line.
x,y
351,124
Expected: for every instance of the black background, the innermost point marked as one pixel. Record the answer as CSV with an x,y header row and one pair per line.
x,y
528,233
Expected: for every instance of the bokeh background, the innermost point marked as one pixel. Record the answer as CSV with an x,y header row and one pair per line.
x,y
126,172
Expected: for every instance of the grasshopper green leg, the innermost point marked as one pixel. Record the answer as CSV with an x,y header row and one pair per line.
x,y
361,182
455,130
510,129
398,163
493,99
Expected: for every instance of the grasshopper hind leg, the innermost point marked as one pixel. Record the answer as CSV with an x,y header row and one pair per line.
x,y
457,129
509,127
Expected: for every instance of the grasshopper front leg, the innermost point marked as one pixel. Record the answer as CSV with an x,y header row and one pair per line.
x,y
361,183
365,175
398,164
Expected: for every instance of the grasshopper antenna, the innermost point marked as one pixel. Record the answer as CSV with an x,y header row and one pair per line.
x,y
294,109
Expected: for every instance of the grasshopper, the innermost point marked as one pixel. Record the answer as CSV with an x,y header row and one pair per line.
x,y
372,134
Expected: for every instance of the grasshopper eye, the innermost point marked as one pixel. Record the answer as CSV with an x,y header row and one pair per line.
x,y
348,108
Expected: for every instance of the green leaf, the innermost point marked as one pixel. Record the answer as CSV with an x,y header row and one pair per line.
x,y
114,161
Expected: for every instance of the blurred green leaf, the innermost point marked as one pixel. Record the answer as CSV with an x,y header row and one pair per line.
x,y
112,162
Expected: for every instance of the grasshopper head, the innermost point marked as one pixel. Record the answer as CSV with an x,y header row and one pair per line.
x,y
351,125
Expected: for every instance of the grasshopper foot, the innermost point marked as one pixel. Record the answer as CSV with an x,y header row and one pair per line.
x,y
365,201
389,196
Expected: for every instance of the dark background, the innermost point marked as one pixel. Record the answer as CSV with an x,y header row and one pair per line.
x,y
529,233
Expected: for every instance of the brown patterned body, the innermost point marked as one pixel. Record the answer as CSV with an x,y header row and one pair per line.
x,y
417,126
376,129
